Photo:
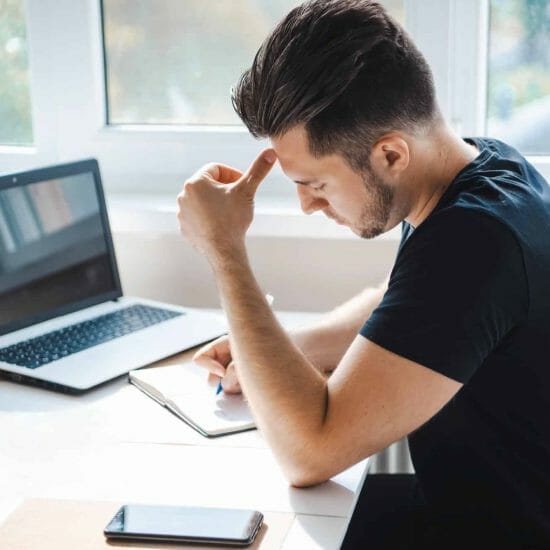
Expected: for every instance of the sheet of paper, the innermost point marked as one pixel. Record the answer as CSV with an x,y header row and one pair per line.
x,y
186,388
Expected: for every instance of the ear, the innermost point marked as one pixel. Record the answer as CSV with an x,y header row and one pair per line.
x,y
390,155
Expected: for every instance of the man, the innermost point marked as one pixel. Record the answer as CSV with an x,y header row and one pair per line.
x,y
452,353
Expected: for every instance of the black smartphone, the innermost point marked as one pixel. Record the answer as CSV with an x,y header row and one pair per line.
x,y
145,522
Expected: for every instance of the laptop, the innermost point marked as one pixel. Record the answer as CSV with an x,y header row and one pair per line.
x,y
64,321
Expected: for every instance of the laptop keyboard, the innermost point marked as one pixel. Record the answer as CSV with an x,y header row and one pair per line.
x,y
44,349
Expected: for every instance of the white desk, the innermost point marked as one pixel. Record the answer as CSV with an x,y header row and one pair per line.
x,y
115,444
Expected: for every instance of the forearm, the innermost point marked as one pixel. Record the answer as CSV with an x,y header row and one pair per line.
x,y
325,341
272,371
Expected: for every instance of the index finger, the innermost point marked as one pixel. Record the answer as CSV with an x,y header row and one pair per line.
x,y
215,351
258,170
211,365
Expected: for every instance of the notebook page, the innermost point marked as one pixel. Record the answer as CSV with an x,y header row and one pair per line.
x,y
187,391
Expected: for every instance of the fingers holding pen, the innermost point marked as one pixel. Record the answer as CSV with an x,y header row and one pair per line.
x,y
226,376
230,382
214,356
214,367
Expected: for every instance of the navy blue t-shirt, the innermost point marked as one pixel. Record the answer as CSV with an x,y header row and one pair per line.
x,y
469,297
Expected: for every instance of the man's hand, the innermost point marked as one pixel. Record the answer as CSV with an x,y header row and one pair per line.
x,y
216,358
216,205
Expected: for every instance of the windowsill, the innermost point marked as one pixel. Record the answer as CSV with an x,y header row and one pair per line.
x,y
17,150
274,217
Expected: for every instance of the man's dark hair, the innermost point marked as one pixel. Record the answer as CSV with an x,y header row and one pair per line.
x,y
344,69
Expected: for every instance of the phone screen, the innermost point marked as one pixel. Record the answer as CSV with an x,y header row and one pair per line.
x,y
183,523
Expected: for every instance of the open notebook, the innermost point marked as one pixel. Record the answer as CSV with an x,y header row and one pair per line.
x,y
184,390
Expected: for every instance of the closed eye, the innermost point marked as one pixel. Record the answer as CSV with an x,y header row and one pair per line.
x,y
310,184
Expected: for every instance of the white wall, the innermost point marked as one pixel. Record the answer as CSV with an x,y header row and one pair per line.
x,y
303,274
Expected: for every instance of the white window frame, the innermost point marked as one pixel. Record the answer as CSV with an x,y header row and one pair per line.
x,y
69,112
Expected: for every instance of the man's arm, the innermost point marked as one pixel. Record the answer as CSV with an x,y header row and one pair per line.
x,y
315,426
323,342
318,427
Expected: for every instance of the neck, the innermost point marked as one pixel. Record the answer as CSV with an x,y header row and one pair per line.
x,y
441,156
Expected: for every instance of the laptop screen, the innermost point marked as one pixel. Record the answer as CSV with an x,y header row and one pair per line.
x,y
55,252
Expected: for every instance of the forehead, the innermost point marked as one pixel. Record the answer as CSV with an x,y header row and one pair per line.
x,y
297,161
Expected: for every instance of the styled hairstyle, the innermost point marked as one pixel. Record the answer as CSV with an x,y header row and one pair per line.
x,y
345,70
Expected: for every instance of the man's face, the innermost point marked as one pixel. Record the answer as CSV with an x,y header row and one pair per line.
x,y
361,201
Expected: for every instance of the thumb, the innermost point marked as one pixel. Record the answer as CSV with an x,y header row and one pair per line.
x,y
257,171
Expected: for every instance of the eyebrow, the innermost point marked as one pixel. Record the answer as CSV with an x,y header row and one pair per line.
x,y
307,182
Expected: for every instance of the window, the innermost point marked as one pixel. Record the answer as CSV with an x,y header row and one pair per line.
x,y
174,62
135,93
518,109
15,102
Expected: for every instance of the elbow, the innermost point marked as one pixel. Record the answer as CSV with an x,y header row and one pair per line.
x,y
311,465
303,482
307,475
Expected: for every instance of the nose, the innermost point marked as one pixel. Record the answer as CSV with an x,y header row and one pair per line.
x,y
308,201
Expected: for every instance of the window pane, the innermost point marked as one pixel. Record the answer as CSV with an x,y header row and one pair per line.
x,y
174,61
519,74
15,101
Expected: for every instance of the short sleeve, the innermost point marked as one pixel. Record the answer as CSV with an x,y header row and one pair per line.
x,y
457,288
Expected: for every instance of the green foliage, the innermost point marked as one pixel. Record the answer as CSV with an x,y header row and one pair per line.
x,y
15,103
519,67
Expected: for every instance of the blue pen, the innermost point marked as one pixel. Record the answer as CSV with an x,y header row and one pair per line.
x,y
269,299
